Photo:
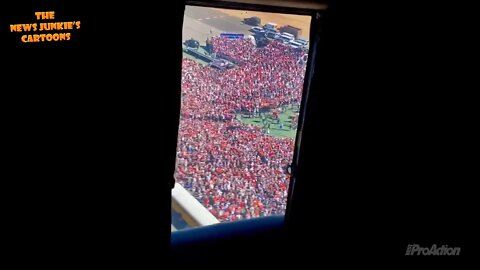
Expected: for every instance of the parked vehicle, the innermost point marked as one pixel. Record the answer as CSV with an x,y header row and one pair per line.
x,y
192,43
254,21
257,30
296,45
303,42
285,38
272,34
270,26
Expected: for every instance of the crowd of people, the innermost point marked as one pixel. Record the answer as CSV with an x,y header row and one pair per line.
x,y
236,170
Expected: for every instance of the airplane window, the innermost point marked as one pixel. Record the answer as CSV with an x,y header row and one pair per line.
x,y
242,83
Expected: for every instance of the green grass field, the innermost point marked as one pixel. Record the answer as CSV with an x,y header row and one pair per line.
x,y
275,129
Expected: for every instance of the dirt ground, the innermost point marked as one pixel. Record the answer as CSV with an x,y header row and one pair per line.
x,y
299,21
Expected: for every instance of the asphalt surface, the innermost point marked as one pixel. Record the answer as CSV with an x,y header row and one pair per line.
x,y
200,23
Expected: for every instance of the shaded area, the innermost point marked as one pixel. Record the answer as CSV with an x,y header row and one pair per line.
x,y
200,55
178,222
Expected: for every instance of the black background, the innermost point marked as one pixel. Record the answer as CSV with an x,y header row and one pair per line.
x,y
388,145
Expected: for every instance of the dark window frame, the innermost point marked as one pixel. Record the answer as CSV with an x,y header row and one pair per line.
x,y
295,8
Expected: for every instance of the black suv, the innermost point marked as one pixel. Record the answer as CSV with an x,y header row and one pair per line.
x,y
255,21
192,43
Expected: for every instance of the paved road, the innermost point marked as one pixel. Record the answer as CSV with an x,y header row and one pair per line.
x,y
200,23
